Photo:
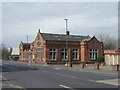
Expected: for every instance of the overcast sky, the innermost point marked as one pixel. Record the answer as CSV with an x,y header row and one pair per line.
x,y
84,18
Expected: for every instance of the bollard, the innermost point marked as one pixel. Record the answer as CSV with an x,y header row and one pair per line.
x,y
82,65
117,67
70,64
97,66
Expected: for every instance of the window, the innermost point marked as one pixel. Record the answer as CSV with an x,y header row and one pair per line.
x,y
42,53
75,54
93,42
52,54
93,54
38,53
64,55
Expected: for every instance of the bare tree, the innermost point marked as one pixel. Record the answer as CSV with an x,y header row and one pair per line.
x,y
108,42
4,53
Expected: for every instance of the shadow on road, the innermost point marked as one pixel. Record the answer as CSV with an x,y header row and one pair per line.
x,y
16,68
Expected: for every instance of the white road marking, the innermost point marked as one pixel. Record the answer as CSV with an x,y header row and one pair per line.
x,y
11,85
65,86
46,65
57,68
29,64
108,81
4,78
59,74
65,75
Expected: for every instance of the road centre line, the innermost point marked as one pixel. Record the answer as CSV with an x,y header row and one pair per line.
x,y
103,81
107,83
65,75
59,74
65,86
57,68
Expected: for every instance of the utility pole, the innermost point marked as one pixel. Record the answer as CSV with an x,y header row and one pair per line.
x,y
66,22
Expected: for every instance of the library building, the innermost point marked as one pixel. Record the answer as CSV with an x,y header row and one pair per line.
x,y
60,48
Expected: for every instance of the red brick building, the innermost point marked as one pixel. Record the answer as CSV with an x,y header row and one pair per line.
x,y
54,48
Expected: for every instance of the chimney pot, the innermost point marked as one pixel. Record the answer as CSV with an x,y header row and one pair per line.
x,y
67,32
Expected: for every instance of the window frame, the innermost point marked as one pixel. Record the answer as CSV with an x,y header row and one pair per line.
x,y
75,51
53,51
64,51
93,53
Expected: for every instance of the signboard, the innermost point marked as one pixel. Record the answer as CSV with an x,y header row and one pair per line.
x,y
112,51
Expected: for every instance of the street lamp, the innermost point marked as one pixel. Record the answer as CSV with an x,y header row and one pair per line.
x,y
66,22
67,33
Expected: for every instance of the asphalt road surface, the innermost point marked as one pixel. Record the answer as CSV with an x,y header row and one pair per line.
x,y
29,76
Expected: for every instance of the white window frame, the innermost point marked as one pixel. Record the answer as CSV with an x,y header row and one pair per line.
x,y
38,51
65,54
93,54
53,51
75,51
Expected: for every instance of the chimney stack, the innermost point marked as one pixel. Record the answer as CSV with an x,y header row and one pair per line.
x,y
67,32
38,30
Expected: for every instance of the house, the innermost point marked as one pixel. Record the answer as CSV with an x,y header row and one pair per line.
x,y
61,48
112,57
15,54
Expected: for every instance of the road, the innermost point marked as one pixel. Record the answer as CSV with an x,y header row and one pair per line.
x,y
31,76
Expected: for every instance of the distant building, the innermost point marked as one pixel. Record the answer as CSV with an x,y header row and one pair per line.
x,y
15,54
52,48
112,57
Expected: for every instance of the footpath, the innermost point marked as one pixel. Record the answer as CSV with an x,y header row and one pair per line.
x,y
77,67
89,68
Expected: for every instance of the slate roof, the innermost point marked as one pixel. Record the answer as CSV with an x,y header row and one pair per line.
x,y
26,46
26,43
62,37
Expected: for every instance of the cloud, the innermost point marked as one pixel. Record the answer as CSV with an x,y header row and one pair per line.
x,y
21,19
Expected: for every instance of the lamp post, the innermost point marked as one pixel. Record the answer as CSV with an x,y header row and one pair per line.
x,y
66,22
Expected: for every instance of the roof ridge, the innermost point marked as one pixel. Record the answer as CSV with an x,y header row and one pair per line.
x,y
65,34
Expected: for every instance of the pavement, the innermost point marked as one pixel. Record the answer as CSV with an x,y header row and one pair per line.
x,y
76,67
90,68
27,75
